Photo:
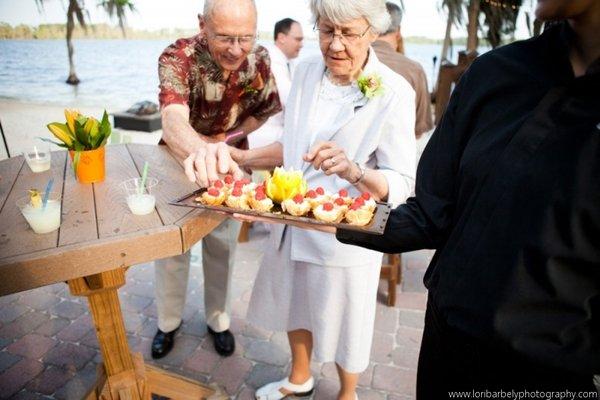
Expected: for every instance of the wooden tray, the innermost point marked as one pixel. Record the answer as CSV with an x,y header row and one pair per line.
x,y
375,227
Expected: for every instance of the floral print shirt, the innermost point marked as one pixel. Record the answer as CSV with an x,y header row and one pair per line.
x,y
189,75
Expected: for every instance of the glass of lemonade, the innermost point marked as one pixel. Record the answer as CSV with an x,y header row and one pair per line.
x,y
140,200
41,219
38,157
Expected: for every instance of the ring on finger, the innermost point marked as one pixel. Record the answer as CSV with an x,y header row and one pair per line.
x,y
332,160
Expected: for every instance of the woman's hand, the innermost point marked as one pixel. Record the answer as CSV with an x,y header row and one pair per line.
x,y
332,159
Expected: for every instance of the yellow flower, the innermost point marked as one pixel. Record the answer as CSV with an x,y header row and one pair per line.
x,y
283,185
91,127
61,132
71,116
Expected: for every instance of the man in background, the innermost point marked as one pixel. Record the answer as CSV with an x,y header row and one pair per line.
x,y
288,38
385,48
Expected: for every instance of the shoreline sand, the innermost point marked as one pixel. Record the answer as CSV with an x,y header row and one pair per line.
x,y
24,122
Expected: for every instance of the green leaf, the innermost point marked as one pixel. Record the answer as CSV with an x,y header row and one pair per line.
x,y
82,119
78,146
98,141
105,130
76,158
81,136
104,140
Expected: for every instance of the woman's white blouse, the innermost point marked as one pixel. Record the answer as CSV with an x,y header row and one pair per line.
x,y
335,104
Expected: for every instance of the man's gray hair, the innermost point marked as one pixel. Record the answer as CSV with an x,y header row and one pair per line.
x,y
342,11
396,17
210,5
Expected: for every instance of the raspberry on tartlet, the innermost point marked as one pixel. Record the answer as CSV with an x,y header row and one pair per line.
x,y
359,213
298,206
259,201
317,197
342,194
237,199
369,202
327,212
213,196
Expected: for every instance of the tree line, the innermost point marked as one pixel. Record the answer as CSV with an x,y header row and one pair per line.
x,y
97,31
94,31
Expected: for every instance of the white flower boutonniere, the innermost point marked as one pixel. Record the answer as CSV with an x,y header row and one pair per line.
x,y
370,85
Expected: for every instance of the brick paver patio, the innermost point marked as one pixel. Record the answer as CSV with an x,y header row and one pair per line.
x,y
48,348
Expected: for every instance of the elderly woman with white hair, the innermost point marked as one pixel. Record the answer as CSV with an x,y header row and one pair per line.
x,y
349,124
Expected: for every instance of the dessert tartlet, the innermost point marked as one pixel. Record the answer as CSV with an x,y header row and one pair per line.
x,y
212,197
359,213
341,204
246,185
317,197
369,202
328,213
343,194
237,199
229,182
298,206
259,200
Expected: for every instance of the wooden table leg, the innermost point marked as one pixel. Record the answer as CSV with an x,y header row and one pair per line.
x,y
123,375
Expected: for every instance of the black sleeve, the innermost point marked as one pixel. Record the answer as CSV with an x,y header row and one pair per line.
x,y
424,220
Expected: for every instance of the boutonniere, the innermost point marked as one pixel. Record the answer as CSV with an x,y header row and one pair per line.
x,y
370,85
255,86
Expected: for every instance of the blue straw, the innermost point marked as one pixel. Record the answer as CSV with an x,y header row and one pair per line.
x,y
47,193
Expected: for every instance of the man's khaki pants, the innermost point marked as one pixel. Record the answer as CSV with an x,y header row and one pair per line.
x,y
171,278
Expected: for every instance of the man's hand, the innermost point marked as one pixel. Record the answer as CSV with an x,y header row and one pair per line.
x,y
205,165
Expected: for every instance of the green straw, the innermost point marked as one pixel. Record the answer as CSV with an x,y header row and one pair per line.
x,y
144,177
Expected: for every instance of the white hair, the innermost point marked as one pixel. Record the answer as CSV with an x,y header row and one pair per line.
x,y
211,5
342,11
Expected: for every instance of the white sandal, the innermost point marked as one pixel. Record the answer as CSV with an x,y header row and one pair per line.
x,y
271,390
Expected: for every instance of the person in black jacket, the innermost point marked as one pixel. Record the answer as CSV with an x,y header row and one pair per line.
x,y
508,193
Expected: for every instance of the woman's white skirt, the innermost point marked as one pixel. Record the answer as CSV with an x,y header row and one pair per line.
x,y
336,304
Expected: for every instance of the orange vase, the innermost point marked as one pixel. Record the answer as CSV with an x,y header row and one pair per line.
x,y
91,166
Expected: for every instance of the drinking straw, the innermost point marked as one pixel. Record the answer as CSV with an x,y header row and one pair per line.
x,y
233,137
144,177
47,193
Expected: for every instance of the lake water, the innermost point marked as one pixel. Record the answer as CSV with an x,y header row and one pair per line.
x,y
113,73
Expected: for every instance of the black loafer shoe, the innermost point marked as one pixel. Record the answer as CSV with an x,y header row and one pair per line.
x,y
163,343
223,341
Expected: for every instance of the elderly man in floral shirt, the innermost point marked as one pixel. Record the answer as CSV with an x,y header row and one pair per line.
x,y
215,88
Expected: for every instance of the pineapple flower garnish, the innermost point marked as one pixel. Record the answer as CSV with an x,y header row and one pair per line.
x,y
370,85
283,185
35,198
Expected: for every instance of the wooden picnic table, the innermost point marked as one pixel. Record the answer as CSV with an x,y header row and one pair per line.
x,y
97,241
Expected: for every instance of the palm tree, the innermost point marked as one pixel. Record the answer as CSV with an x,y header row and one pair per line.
x,y
118,8
454,8
473,25
500,19
76,11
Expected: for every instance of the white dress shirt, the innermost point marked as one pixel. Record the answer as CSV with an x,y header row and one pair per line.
x,y
272,129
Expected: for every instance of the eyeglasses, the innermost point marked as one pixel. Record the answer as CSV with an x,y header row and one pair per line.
x,y
226,40
327,35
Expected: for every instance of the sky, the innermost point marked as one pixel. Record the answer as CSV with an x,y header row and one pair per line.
x,y
421,18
